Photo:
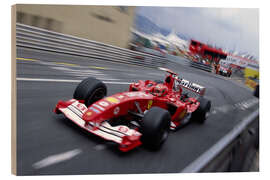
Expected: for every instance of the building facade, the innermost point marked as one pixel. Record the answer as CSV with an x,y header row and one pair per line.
x,y
106,24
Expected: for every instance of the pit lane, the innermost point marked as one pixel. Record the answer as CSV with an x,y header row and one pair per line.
x,y
43,134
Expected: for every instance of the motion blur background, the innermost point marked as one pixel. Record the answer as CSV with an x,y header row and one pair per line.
x,y
107,24
161,31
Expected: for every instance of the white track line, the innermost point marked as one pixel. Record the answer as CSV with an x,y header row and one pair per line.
x,y
65,80
243,105
57,158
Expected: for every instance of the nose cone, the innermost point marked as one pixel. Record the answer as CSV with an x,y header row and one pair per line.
x,y
88,115
114,106
103,109
95,112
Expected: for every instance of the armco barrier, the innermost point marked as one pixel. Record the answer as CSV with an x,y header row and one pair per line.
x,y
37,38
234,152
178,60
33,37
201,66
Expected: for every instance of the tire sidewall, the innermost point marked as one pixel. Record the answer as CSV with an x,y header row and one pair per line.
x,y
200,114
155,127
86,88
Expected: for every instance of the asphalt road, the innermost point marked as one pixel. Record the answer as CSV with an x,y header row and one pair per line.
x,y
51,144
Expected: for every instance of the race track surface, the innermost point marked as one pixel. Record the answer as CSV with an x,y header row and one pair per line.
x,y
51,144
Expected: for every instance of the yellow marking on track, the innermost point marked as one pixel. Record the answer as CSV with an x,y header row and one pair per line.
x,y
68,64
96,67
26,59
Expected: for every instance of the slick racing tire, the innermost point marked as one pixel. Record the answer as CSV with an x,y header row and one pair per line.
x,y
155,127
90,90
200,114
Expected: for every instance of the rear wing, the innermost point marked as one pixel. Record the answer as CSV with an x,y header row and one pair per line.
x,y
198,89
192,86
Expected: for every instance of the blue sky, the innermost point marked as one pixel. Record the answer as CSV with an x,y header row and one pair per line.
x,y
231,28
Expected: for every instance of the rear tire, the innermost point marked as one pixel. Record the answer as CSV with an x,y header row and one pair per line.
x,y
200,114
155,127
90,90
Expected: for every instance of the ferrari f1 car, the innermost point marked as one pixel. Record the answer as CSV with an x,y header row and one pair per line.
x,y
225,70
142,115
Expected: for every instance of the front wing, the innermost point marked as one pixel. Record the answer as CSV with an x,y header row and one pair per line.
x,y
124,136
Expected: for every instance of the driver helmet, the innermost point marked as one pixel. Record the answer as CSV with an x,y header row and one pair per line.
x,y
160,90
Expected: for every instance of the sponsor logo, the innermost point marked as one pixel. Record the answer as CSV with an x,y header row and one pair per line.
x,y
95,110
99,107
116,110
103,103
89,113
81,107
112,100
123,129
189,85
138,94
239,61
120,96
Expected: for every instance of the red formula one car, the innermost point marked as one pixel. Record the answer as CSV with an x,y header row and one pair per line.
x,y
224,70
144,114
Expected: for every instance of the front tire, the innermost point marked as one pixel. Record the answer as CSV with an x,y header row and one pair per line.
x,y
90,90
155,127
